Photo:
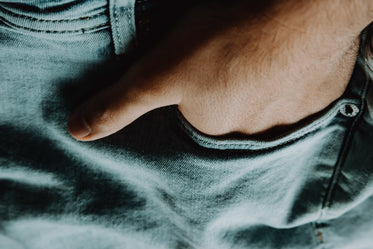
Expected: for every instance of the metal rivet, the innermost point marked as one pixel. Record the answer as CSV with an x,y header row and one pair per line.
x,y
349,110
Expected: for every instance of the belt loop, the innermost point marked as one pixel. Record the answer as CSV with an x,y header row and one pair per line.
x,y
122,20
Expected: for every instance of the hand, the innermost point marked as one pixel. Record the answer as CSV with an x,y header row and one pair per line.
x,y
244,68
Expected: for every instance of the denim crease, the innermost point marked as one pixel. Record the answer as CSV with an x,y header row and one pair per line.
x,y
160,183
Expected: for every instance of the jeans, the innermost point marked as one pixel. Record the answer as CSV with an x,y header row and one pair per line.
x,y
160,183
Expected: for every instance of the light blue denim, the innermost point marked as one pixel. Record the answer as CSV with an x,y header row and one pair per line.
x,y
159,183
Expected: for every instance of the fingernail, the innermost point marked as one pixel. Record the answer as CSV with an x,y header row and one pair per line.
x,y
77,125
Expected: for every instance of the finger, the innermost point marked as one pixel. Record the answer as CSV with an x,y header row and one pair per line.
x,y
157,80
120,105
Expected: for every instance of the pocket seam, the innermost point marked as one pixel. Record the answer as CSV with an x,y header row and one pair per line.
x,y
82,30
79,25
216,143
51,21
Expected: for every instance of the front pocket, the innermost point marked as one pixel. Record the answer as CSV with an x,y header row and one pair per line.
x,y
347,108
55,19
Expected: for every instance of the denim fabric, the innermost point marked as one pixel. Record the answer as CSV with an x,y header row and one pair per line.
x,y
159,183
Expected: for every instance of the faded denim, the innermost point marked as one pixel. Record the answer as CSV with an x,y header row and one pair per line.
x,y
159,183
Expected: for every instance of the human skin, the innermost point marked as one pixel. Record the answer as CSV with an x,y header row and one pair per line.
x,y
245,68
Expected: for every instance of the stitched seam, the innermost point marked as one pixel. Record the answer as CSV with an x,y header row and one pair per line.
x,y
117,24
234,145
315,237
129,19
82,30
320,241
228,145
328,201
51,21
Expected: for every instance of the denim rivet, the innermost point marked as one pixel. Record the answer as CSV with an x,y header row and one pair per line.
x,y
349,110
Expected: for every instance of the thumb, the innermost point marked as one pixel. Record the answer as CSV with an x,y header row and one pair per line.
x,y
120,105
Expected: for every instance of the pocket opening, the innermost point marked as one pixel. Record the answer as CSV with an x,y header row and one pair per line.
x,y
305,127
